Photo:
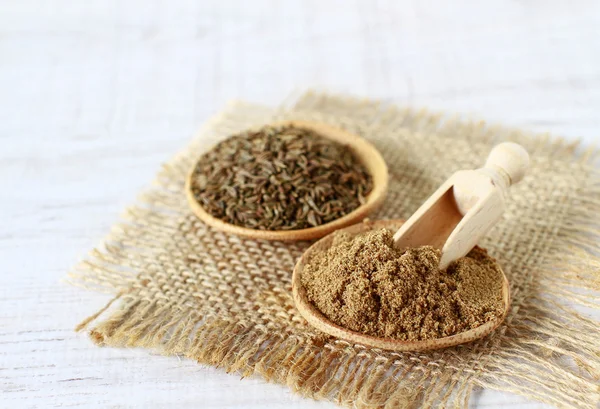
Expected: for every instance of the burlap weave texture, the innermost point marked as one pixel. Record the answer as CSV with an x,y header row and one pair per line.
x,y
184,288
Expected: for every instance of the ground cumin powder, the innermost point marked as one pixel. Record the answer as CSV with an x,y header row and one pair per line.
x,y
364,284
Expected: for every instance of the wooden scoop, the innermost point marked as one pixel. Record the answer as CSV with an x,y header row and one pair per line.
x,y
466,206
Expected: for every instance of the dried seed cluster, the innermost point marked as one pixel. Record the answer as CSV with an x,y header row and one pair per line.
x,y
280,178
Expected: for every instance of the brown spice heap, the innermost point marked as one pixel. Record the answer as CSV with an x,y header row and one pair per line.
x,y
364,284
280,178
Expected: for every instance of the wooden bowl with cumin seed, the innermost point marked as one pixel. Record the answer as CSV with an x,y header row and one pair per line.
x,y
361,149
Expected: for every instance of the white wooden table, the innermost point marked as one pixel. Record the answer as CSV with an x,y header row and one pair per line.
x,y
95,94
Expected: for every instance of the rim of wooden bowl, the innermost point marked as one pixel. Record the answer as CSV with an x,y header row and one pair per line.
x,y
362,149
322,323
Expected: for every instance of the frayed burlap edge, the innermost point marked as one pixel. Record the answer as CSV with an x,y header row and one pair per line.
x,y
352,375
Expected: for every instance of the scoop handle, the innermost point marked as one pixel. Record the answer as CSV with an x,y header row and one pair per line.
x,y
480,202
510,160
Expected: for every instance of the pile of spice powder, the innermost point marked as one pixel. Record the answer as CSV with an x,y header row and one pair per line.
x,y
366,285
279,178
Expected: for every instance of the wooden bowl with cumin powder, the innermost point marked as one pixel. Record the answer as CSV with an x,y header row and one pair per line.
x,y
362,151
318,320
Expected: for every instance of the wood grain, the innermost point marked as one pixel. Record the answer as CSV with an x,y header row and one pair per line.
x,y
96,94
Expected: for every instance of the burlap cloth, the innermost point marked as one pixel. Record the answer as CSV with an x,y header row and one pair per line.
x,y
183,288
